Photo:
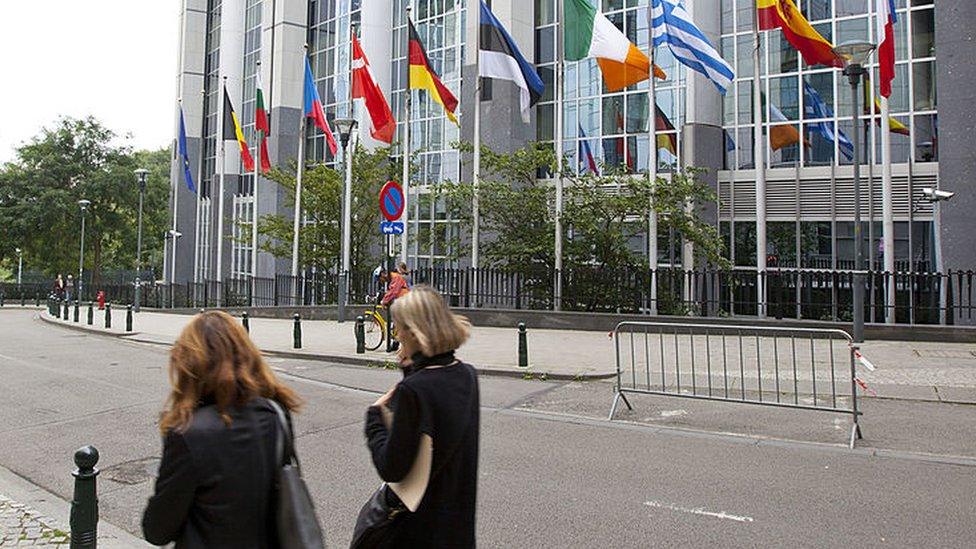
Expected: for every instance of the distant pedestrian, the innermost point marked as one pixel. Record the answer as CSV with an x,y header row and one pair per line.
x,y
423,435
58,288
220,430
69,288
399,285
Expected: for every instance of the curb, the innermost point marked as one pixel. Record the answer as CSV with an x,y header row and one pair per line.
x,y
344,359
84,327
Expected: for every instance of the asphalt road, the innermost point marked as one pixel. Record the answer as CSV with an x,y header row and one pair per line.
x,y
554,472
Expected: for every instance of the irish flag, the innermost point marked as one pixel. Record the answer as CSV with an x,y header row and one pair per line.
x,y
590,34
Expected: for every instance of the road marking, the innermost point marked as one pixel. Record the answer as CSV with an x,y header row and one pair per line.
x,y
699,511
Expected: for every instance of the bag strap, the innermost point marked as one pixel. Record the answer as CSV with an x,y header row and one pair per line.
x,y
285,444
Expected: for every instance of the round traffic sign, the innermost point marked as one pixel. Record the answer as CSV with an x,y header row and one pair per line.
x,y
391,201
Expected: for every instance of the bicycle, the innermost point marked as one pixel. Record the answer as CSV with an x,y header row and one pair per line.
x,y
374,325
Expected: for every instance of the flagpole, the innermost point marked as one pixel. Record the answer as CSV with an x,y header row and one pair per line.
x,y
476,170
196,233
254,193
297,217
405,183
887,214
759,152
558,143
220,198
869,158
349,146
652,166
176,204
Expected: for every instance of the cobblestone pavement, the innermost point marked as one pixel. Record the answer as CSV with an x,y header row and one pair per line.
x,y
22,526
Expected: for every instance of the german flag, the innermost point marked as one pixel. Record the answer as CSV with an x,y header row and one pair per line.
x,y
232,130
423,77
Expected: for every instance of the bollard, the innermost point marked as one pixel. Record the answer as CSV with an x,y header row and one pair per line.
x,y
37,299
84,503
360,336
128,318
246,322
67,308
108,315
2,298
91,313
76,311
298,331
23,299
523,347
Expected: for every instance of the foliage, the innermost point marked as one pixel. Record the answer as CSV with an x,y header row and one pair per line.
x,y
73,160
319,239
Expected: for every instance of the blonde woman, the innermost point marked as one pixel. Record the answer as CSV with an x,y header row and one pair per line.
x,y
219,441
423,435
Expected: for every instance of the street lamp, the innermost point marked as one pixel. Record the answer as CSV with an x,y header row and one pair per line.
x,y
173,234
83,204
141,175
20,265
855,54
347,128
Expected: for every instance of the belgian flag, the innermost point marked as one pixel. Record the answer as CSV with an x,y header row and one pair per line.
x,y
423,77
232,130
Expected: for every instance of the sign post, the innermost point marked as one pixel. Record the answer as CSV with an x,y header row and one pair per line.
x,y
391,206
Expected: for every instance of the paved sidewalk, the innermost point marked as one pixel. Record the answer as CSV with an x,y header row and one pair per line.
x,y
21,525
931,371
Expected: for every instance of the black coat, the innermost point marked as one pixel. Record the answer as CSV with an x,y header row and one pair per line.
x,y
442,402
215,481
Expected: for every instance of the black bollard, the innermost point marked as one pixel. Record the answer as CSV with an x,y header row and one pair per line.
x,y
37,299
2,298
246,322
128,318
298,331
360,336
84,503
76,311
108,315
91,313
523,347
67,308
23,299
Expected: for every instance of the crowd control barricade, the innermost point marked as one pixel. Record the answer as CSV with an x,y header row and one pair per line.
x,y
798,368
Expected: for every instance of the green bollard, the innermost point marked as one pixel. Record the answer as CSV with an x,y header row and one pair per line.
x,y
246,322
128,318
298,331
523,347
91,313
84,503
76,311
360,336
108,315
2,299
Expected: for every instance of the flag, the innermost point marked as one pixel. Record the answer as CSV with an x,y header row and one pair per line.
x,y
665,141
783,14
814,107
261,125
885,27
500,58
313,109
586,160
185,155
382,124
232,127
894,126
671,24
780,135
590,34
423,77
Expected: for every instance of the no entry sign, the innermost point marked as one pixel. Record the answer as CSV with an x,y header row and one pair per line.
x,y
391,201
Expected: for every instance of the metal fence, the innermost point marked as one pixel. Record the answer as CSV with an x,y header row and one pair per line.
x,y
920,298
804,369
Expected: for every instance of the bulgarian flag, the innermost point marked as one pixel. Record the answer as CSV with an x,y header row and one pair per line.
x,y
232,130
261,125
590,34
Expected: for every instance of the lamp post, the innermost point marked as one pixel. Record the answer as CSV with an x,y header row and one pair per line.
x,y
83,204
347,128
141,175
173,234
20,265
855,53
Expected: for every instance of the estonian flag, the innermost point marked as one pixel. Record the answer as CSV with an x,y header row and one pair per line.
x,y
500,58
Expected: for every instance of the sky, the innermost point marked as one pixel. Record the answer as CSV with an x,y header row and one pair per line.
x,y
112,59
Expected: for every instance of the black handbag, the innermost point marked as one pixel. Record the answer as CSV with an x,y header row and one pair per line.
x,y
295,519
377,520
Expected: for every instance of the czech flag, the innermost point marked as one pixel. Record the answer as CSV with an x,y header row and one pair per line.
x,y
313,109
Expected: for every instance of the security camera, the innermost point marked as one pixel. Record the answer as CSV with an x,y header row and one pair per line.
x,y
935,195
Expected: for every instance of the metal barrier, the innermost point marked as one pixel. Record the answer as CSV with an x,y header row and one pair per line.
x,y
805,369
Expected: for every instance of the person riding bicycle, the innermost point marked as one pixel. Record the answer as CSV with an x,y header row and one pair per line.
x,y
398,286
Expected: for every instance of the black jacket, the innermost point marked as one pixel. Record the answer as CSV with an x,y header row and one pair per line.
x,y
215,482
443,403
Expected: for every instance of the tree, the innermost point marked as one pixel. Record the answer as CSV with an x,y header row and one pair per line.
x,y
319,239
77,159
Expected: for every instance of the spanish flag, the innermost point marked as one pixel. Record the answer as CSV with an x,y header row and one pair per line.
x,y
233,128
783,14
423,77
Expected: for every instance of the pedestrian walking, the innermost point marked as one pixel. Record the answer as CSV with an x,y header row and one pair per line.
x,y
423,435
222,437
69,288
58,288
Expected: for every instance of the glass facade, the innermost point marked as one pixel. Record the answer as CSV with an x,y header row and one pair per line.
x,y
211,102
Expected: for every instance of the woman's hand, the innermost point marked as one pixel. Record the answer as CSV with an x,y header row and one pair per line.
x,y
385,398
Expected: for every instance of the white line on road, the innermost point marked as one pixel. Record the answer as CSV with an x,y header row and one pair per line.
x,y
699,511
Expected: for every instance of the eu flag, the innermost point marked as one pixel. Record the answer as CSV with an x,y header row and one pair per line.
x,y
185,155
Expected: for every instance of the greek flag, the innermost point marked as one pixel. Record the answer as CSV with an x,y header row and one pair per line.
x,y
814,107
672,25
